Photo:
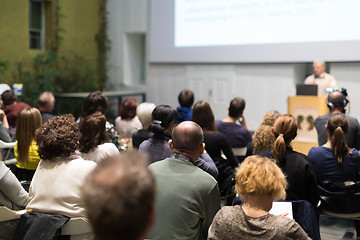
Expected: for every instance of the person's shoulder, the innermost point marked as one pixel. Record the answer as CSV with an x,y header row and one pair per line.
x,y
264,153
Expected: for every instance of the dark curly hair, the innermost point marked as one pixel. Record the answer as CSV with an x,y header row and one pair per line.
x,y
93,132
58,137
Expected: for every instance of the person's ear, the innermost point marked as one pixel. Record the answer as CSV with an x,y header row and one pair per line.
x,y
272,131
202,148
170,142
326,128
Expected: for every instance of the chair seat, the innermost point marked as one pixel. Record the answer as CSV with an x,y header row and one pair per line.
x,y
76,226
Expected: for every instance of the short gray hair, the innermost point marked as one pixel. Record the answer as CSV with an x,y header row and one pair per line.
x,y
320,61
144,111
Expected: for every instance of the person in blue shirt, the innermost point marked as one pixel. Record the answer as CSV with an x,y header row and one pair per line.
x,y
186,100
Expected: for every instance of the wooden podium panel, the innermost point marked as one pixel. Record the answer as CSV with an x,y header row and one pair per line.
x,y
306,109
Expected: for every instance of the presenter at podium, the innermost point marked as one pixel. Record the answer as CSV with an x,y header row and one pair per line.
x,y
321,78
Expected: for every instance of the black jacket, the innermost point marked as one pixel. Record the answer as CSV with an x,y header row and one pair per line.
x,y
302,184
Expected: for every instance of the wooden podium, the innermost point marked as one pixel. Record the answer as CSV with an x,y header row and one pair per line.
x,y
306,109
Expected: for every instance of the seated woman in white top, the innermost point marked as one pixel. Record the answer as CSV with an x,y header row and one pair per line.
x,y
95,144
127,123
57,182
13,196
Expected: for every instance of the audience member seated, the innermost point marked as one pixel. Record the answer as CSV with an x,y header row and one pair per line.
x,y
12,196
157,147
56,185
46,104
119,197
4,128
336,104
335,161
296,166
143,112
187,198
97,102
12,108
163,120
215,144
238,134
263,137
259,182
127,123
186,100
26,149
95,144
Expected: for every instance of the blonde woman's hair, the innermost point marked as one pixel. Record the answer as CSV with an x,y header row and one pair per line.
x,y
260,176
338,126
285,130
263,138
28,120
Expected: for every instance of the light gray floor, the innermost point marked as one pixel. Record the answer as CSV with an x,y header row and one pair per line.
x,y
336,228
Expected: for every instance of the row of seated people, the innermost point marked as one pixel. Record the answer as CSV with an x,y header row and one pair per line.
x,y
164,118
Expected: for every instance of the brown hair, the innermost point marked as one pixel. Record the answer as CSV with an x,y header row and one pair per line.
x,y
94,102
285,130
8,97
186,98
263,138
338,126
204,116
28,120
236,108
58,137
119,196
127,109
93,132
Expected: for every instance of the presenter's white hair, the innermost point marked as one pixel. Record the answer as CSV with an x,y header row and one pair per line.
x,y
322,62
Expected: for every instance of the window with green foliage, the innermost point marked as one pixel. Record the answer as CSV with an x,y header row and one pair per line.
x,y
36,25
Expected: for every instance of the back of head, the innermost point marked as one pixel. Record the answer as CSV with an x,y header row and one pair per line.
x,y
144,111
186,98
204,116
8,97
94,102
46,99
338,126
285,130
161,118
260,176
127,109
119,197
336,101
28,120
270,117
58,137
187,137
236,108
93,132
263,138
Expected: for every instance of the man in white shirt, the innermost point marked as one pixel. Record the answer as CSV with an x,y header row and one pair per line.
x,y
321,78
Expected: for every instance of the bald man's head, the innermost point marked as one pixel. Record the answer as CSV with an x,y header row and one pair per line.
x,y
187,137
337,99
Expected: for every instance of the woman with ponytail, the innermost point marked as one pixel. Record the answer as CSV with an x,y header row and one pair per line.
x,y
335,161
163,120
296,166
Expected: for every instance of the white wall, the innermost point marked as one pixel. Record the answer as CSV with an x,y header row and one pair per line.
x,y
263,86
